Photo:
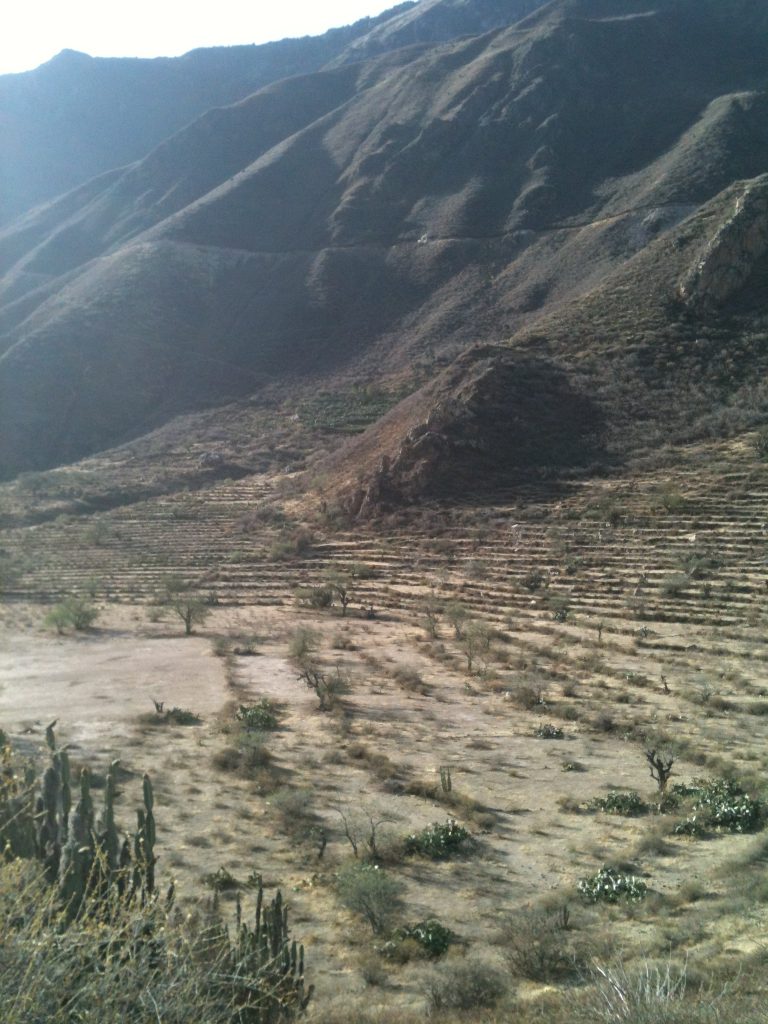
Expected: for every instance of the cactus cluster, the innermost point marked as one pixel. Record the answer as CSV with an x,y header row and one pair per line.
x,y
438,840
81,854
263,967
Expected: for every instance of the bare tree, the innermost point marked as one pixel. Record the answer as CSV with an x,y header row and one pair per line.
x,y
326,686
363,830
660,767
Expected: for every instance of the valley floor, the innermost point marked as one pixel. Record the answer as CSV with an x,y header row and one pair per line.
x,y
617,617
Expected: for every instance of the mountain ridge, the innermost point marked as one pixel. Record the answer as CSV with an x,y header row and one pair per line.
x,y
360,217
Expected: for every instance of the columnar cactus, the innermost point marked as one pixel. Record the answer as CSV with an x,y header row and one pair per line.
x,y
78,854
264,966
144,844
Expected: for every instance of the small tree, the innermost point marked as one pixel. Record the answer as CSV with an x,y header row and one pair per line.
x,y
340,586
185,602
72,612
457,615
431,609
364,830
475,642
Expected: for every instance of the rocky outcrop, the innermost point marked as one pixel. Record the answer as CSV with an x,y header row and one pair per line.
x,y
731,254
494,417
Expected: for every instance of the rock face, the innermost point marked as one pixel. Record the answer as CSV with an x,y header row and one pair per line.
x,y
732,253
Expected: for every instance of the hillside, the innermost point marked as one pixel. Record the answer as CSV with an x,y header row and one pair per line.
x,y
77,116
361,217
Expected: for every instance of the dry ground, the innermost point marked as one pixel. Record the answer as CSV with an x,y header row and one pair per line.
x,y
638,659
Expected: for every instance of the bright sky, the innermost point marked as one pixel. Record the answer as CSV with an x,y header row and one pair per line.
x,y
35,30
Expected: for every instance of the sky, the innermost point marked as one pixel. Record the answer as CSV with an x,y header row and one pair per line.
x,y
36,30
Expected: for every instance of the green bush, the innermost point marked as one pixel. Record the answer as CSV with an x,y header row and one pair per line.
x,y
723,804
182,716
610,885
432,936
258,717
630,804
694,826
73,613
438,840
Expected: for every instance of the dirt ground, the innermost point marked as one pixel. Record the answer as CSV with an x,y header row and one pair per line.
x,y
535,839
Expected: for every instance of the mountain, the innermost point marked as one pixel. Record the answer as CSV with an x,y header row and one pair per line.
x,y
389,213
77,116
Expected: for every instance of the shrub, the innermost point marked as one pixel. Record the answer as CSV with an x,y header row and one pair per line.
x,y
674,585
723,803
182,716
410,679
437,840
630,804
258,717
370,892
431,938
466,985
222,881
293,805
303,643
610,885
760,443
290,544
537,945
72,612
250,759
549,732
533,580
327,686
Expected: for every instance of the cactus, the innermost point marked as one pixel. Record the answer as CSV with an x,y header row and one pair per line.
x,y
82,857
446,783
78,853
264,967
144,844
109,841
18,834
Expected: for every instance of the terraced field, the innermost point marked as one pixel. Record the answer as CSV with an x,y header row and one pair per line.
x,y
609,618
